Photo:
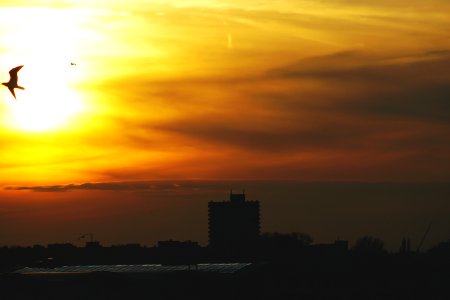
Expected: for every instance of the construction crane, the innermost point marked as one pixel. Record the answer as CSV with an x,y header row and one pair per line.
x,y
424,237
90,235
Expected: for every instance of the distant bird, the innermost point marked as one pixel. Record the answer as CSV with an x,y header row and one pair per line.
x,y
12,83
73,64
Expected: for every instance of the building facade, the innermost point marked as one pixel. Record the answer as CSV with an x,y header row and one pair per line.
x,y
233,224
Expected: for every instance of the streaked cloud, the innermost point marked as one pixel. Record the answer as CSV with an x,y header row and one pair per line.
x,y
140,186
319,90
109,186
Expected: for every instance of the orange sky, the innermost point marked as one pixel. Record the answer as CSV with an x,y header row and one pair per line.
x,y
332,90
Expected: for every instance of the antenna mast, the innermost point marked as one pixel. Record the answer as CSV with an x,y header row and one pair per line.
x,y
424,237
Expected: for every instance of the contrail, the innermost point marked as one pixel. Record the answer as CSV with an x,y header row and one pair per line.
x,y
230,42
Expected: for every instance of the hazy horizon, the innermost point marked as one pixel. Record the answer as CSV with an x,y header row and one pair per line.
x,y
117,92
149,211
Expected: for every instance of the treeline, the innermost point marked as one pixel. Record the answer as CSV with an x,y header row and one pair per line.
x,y
271,247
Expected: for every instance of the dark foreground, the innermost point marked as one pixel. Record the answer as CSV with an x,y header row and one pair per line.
x,y
259,281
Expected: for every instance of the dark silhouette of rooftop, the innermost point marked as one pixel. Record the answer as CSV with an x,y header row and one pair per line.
x,y
240,263
233,225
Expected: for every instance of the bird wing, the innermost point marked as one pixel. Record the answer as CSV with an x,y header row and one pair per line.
x,y
13,74
12,92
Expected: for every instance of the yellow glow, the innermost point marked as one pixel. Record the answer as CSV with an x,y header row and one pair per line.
x,y
48,102
46,49
176,88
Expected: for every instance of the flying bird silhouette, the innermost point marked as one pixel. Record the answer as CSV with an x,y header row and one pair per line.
x,y
12,83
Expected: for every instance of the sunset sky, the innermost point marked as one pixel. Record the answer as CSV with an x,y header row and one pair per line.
x,y
213,91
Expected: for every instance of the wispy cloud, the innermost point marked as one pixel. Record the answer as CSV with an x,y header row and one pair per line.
x,y
101,186
352,103
394,86
141,186
328,88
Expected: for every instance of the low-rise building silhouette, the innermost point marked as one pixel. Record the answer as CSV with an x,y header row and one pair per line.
x,y
179,252
234,224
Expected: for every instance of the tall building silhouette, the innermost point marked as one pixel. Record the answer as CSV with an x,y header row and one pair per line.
x,y
234,224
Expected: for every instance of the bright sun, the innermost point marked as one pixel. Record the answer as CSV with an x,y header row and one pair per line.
x,y
48,101
46,45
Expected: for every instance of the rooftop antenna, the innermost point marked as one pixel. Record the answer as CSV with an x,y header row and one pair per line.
x,y
424,237
90,235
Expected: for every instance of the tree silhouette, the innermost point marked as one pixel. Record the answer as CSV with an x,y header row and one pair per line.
x,y
294,239
368,245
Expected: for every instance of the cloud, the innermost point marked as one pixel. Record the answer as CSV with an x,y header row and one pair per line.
x,y
141,186
377,110
384,87
370,66
213,131
101,186
298,88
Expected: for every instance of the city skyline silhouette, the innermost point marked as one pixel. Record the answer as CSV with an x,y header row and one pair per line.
x,y
149,211
327,120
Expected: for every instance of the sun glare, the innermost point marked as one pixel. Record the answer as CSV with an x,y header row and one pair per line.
x,y
44,105
46,44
